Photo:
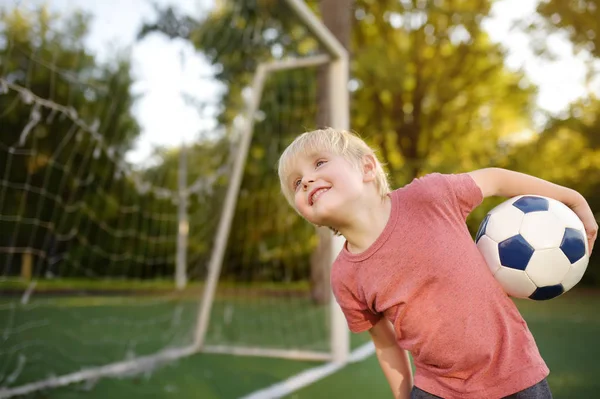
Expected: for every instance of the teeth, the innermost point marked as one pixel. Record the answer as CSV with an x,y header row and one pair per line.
x,y
317,194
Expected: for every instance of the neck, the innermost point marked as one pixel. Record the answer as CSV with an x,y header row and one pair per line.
x,y
367,223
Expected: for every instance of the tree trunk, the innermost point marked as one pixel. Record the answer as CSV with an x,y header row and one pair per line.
x,y
337,16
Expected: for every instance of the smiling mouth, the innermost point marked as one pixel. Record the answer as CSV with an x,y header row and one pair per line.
x,y
316,194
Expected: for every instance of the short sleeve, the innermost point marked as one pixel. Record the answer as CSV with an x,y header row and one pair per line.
x,y
360,320
358,315
467,193
448,194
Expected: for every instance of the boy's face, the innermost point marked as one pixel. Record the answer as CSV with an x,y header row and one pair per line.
x,y
323,185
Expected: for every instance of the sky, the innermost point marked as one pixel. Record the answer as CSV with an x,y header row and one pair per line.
x,y
561,81
165,69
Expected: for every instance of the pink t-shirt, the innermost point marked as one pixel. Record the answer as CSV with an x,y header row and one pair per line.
x,y
425,274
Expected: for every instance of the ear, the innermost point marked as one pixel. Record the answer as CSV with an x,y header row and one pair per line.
x,y
369,167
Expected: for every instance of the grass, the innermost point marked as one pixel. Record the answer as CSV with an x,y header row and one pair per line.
x,y
93,330
108,285
87,284
566,329
202,376
62,334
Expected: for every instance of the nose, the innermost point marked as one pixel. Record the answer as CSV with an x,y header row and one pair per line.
x,y
306,182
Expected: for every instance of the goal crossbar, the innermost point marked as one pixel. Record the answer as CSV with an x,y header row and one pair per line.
x,y
336,62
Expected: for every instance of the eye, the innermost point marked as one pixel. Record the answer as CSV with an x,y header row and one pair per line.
x,y
296,183
319,163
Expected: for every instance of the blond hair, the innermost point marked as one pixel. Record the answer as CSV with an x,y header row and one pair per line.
x,y
339,142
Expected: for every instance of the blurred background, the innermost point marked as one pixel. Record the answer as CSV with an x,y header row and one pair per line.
x,y
120,126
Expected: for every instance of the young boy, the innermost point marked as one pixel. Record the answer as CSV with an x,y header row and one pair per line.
x,y
410,273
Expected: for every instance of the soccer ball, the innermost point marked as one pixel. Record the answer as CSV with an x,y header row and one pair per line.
x,y
536,247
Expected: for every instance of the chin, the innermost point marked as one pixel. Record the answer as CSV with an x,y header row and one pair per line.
x,y
324,214
324,221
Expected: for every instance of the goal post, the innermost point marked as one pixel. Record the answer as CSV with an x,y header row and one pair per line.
x,y
339,107
109,268
339,340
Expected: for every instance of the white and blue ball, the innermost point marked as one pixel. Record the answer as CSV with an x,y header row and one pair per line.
x,y
535,247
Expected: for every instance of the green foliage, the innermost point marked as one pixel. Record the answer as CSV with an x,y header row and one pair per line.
x,y
578,130
255,31
567,152
207,165
430,92
65,118
433,93
579,18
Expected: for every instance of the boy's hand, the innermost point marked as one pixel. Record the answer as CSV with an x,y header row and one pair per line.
x,y
583,211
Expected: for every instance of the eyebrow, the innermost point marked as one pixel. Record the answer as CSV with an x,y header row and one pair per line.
x,y
315,154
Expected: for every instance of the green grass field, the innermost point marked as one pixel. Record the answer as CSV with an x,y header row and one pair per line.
x,y
567,330
61,335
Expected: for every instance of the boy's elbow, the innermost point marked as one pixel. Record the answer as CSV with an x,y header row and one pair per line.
x,y
382,334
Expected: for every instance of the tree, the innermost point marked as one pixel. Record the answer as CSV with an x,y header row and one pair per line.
x,y
567,152
429,88
236,37
50,151
581,123
432,90
578,18
206,168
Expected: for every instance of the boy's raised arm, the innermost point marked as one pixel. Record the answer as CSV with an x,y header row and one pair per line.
x,y
393,360
507,183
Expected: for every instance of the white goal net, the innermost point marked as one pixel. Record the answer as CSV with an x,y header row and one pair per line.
x,y
109,266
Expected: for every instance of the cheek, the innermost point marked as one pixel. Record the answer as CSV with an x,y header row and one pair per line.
x,y
303,208
299,202
348,183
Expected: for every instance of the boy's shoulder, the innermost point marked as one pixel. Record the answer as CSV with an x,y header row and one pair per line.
x,y
443,192
430,179
436,182
421,186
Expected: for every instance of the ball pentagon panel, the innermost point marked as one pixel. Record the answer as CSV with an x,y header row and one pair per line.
x,y
515,252
547,292
573,244
531,203
482,228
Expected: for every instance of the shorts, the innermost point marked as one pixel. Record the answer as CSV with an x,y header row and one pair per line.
x,y
541,390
